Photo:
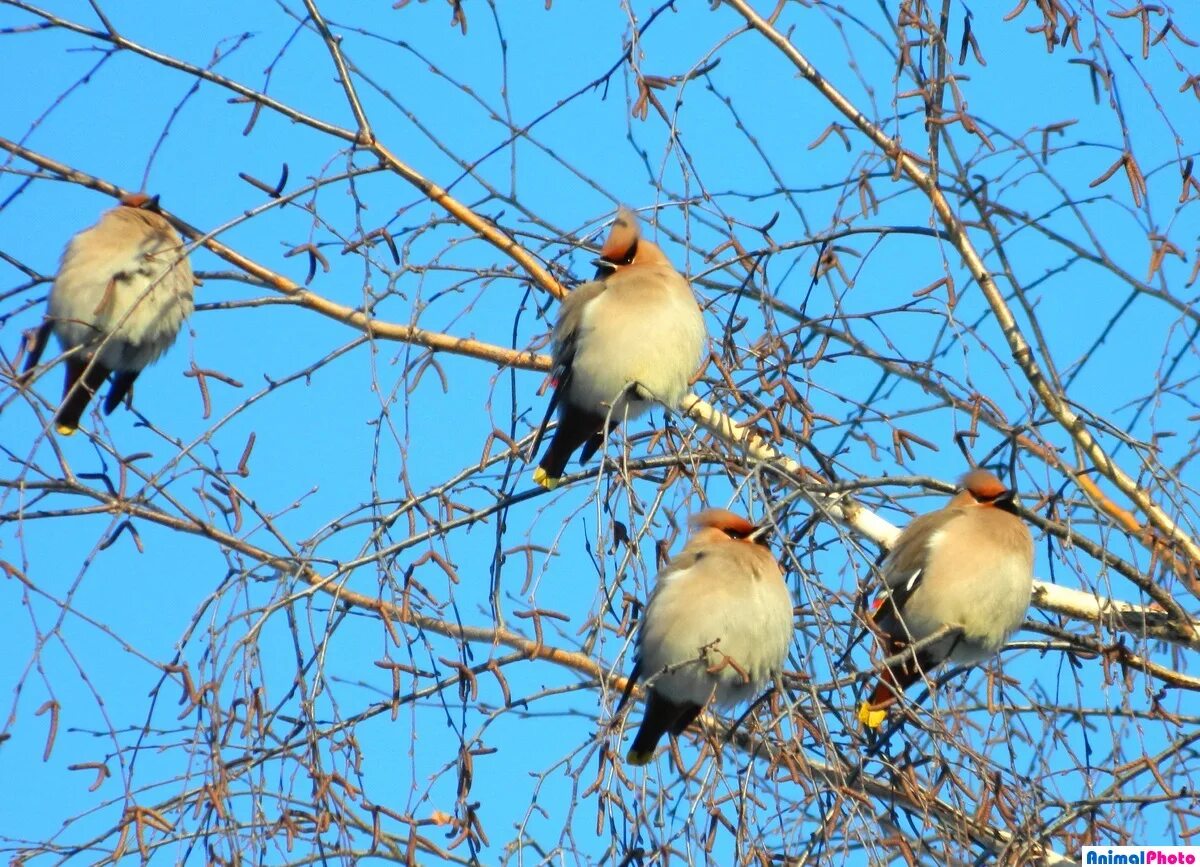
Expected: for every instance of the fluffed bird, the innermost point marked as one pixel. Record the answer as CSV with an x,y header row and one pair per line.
x,y
631,336
717,626
968,566
123,290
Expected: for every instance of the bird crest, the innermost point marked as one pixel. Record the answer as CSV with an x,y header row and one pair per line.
x,y
621,246
734,526
982,485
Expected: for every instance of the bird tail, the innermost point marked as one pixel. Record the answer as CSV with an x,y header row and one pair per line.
x,y
892,683
83,380
661,716
575,427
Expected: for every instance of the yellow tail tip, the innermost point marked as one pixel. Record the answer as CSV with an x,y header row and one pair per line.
x,y
541,477
639,757
64,429
872,719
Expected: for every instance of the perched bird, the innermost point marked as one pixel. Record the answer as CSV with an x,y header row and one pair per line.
x,y
632,335
968,565
123,289
718,625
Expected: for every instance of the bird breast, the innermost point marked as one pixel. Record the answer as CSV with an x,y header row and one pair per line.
x,y
718,629
644,328
123,292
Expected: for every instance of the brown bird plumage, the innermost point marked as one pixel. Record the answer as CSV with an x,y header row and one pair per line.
x,y
718,626
631,336
968,565
123,290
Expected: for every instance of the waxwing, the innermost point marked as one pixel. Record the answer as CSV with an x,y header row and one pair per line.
x,y
968,565
631,336
124,288
718,626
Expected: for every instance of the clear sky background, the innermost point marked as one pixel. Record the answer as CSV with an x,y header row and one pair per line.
x,y
371,421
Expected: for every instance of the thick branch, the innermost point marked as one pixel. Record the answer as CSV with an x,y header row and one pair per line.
x,y
1138,619
1054,403
486,230
375,328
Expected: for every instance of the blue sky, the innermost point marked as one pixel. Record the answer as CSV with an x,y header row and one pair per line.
x,y
364,427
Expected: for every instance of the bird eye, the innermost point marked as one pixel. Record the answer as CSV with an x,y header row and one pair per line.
x,y
740,535
1003,498
631,255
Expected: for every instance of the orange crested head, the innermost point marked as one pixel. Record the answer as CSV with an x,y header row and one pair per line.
x,y
982,485
724,521
621,246
140,200
625,247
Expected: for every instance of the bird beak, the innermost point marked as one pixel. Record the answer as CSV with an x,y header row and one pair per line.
x,y
604,268
760,534
1007,502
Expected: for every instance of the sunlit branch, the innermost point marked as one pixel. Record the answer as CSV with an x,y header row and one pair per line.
x,y
1054,403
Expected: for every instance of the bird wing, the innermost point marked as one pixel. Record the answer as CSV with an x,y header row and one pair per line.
x,y
681,563
905,564
570,314
674,570
566,333
692,604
